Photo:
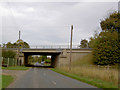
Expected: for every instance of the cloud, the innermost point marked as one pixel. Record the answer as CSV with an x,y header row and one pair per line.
x,y
49,23
29,9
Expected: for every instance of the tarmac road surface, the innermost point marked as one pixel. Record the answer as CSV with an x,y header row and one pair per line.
x,y
46,78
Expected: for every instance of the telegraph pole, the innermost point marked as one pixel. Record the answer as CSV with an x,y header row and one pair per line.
x,y
18,48
19,35
119,42
71,47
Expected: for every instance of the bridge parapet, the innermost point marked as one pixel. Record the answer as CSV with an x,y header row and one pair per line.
x,y
53,46
45,47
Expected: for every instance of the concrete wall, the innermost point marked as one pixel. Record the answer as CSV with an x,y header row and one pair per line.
x,y
64,58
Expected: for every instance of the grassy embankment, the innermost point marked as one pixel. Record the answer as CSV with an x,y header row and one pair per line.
x,y
84,70
16,68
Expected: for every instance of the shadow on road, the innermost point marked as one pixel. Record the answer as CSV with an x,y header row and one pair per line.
x,y
39,66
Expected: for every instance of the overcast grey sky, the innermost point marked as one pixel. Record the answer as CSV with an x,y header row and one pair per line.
x,y
44,23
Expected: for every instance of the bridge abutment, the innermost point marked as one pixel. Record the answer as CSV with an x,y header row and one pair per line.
x,y
59,57
54,60
64,58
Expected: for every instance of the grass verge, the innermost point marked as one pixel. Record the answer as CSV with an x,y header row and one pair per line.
x,y
6,80
95,82
16,68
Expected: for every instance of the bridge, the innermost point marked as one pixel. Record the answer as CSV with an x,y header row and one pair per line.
x,y
59,53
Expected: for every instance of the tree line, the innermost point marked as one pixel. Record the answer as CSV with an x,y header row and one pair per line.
x,y
33,59
9,53
19,43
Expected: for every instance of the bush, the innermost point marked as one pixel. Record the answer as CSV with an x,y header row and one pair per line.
x,y
105,50
105,45
47,60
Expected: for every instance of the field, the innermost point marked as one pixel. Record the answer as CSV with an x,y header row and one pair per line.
x,y
85,68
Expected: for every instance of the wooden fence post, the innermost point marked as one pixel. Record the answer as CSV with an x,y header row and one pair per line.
x,y
13,62
2,60
8,62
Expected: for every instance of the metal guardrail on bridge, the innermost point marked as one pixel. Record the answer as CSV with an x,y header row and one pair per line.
x,y
45,47
53,46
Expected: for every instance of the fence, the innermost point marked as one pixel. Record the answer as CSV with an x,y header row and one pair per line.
x,y
44,47
10,62
53,46
100,66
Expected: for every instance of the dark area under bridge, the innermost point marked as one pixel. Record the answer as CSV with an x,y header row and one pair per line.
x,y
54,57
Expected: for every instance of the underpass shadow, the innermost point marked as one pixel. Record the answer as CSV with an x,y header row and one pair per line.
x,y
39,66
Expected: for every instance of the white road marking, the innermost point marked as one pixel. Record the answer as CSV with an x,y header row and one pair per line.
x,y
54,82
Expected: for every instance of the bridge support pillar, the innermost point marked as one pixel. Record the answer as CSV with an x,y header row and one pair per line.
x,y
55,60
26,60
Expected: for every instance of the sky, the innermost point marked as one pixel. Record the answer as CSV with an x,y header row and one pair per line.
x,y
49,23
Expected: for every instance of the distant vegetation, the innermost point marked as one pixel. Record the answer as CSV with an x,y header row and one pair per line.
x,y
19,43
84,43
34,59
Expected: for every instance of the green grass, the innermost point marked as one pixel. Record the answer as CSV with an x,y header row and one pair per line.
x,y
47,64
95,82
16,68
6,80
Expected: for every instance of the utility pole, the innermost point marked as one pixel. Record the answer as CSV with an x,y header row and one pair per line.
x,y
71,47
19,35
119,42
18,48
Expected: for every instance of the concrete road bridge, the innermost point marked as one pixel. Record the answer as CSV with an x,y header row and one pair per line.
x,y
59,53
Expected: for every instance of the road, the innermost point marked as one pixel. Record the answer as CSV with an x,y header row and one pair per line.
x,y
45,78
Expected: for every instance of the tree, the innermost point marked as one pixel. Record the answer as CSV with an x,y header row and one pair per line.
x,y
48,60
44,57
26,45
18,43
84,43
92,41
22,44
9,45
8,54
4,45
111,23
105,51
105,45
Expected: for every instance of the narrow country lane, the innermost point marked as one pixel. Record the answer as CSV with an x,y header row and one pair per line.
x,y
45,78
